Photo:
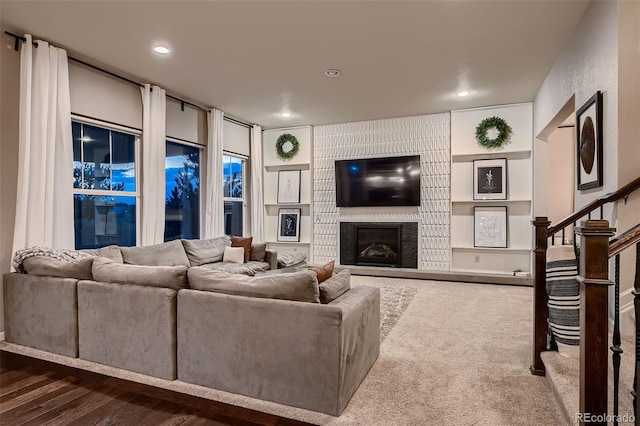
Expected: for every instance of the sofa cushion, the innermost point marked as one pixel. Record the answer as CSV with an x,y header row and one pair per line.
x,y
110,252
79,269
249,268
200,252
174,277
258,251
298,286
245,243
324,272
335,286
233,255
166,254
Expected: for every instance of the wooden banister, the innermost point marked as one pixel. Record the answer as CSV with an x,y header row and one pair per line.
x,y
624,241
608,198
594,319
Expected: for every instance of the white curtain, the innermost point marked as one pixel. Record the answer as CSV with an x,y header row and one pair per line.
x,y
257,193
154,150
44,207
214,203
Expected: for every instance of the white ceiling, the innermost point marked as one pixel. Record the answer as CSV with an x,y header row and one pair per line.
x,y
255,59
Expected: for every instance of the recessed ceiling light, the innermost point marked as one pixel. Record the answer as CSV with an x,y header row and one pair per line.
x,y
285,114
463,93
163,50
332,73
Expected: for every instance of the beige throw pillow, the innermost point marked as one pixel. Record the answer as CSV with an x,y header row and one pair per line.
x,y
233,255
335,286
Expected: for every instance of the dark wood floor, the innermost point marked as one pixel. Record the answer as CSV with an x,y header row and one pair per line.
x,y
35,392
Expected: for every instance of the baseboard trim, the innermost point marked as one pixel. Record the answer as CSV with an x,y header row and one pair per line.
x,y
467,277
2,336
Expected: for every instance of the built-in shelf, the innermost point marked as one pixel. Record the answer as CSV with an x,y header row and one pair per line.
x,y
289,242
490,201
276,168
512,155
519,191
287,205
492,248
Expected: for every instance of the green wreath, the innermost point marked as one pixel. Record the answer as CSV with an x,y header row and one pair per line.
x,y
504,132
281,144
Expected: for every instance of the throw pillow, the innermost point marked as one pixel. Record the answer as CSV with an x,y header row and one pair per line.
x,y
244,242
201,252
335,286
165,254
298,286
324,272
258,251
110,252
233,255
108,271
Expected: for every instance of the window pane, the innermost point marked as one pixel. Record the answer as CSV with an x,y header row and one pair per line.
x,y
123,166
233,218
232,176
101,221
182,192
97,157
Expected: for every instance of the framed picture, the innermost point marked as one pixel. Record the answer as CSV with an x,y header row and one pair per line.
x,y
490,226
490,179
589,143
289,225
288,186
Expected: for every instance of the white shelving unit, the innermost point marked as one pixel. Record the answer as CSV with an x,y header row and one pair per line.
x,y
518,153
272,166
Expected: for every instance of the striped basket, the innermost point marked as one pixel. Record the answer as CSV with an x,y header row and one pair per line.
x,y
564,299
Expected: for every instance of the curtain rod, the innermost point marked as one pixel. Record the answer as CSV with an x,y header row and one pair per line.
x,y
135,83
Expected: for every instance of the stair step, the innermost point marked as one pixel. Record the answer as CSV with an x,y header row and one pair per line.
x,y
563,375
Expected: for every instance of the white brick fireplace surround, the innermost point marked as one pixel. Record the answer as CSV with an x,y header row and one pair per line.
x,y
426,135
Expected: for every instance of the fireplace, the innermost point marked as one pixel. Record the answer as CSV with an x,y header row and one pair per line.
x,y
379,244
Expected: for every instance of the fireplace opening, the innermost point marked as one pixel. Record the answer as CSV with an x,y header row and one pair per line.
x,y
378,245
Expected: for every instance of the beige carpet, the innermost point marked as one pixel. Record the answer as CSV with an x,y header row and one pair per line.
x,y
459,355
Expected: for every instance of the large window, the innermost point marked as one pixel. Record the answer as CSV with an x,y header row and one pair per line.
x,y
233,183
105,187
182,192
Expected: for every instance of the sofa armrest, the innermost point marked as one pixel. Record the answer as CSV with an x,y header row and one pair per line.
x,y
41,312
360,338
271,257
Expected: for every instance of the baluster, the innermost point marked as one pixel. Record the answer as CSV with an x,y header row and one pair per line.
x,y
563,239
553,240
636,305
615,348
601,212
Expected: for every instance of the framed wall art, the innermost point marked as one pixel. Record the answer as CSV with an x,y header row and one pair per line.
x,y
589,143
289,225
490,179
490,226
288,186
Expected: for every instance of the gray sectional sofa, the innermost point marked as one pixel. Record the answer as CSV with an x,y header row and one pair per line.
x,y
147,310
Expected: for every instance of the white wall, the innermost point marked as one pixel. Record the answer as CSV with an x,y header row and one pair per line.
x,y
588,63
427,135
560,174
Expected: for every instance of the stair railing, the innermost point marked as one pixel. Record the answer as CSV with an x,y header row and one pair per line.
x,y
543,233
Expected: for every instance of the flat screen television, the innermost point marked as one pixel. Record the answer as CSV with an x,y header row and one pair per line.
x,y
372,182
